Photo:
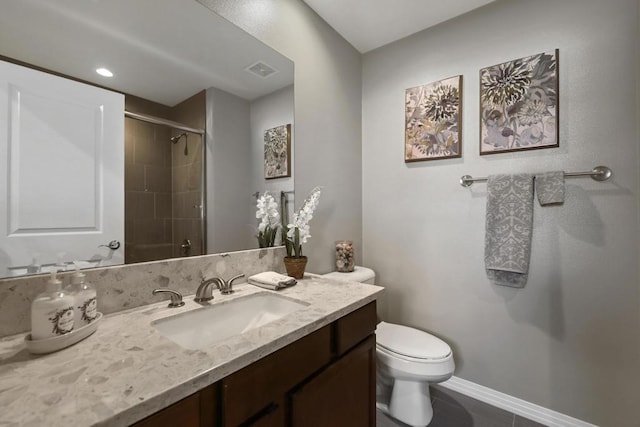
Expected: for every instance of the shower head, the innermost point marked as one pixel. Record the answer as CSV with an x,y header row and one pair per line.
x,y
176,138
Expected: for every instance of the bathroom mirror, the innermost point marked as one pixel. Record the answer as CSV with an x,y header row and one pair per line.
x,y
177,61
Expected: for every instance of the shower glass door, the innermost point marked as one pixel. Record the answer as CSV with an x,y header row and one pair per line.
x,y
164,207
187,195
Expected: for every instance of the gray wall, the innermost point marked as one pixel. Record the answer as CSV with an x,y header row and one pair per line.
x,y
327,115
568,340
267,112
229,218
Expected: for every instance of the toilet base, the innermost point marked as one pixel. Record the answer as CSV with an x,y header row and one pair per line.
x,y
408,401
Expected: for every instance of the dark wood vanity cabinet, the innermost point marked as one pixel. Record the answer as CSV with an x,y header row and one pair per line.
x,y
343,394
326,378
263,385
198,410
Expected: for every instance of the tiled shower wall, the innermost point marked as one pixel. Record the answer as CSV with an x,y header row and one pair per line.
x,y
161,183
148,215
187,178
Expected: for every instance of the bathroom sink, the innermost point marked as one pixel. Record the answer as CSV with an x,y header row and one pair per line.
x,y
205,326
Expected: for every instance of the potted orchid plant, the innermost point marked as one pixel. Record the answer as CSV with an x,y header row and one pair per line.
x,y
297,233
269,217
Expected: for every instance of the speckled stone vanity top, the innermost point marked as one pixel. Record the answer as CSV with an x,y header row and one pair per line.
x,y
127,370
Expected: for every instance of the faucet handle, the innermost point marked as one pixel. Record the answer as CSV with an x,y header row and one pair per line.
x,y
176,297
234,278
227,287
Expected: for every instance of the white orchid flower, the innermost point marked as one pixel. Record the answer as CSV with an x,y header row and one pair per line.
x,y
269,215
299,232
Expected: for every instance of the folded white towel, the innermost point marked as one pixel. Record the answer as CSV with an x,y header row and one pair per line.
x,y
271,280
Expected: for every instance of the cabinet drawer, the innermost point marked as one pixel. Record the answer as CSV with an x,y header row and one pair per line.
x,y
197,410
186,412
255,387
354,327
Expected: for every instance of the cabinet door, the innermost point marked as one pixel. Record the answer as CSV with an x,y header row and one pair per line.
x,y
62,163
255,388
272,416
341,395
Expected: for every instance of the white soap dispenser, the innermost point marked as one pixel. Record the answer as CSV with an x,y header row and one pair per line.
x,y
85,305
52,311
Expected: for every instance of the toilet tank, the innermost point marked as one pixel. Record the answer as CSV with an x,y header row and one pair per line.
x,y
359,274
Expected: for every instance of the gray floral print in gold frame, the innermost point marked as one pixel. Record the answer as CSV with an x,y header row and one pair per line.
x,y
519,104
277,152
433,121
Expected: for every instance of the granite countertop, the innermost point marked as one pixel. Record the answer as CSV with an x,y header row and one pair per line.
x,y
126,370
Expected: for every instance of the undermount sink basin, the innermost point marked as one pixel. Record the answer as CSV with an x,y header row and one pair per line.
x,y
205,326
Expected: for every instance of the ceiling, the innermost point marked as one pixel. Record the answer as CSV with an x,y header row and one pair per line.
x,y
369,24
161,50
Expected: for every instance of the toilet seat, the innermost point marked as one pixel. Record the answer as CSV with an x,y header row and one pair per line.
x,y
410,359
413,369
411,344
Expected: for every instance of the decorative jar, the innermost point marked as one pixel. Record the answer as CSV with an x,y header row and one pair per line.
x,y
345,259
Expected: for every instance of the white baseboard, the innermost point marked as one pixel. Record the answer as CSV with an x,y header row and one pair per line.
x,y
513,404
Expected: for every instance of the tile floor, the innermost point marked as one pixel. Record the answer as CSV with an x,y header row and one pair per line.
x,y
451,409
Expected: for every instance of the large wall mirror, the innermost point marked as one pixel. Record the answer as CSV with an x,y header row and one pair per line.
x,y
162,159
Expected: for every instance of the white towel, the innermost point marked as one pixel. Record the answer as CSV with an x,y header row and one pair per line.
x,y
271,280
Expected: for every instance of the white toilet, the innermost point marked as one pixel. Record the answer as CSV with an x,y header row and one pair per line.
x,y
408,360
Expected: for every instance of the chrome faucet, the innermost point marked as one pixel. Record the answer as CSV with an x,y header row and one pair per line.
x,y
176,297
204,292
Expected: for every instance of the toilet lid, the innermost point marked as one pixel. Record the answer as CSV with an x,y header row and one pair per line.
x,y
359,274
411,342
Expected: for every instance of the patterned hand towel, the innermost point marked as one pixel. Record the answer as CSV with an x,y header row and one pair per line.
x,y
508,229
271,280
550,187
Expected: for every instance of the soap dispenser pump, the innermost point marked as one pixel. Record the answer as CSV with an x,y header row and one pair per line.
x,y
85,302
34,267
52,311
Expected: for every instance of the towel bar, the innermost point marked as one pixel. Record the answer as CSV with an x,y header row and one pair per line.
x,y
599,173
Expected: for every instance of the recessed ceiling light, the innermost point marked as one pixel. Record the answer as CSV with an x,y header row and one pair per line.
x,y
104,72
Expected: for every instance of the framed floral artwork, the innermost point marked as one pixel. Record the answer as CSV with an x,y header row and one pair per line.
x,y
519,104
277,152
433,121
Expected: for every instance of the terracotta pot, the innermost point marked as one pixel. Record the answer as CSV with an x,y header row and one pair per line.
x,y
295,266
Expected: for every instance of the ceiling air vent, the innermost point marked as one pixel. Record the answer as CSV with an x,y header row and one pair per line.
x,y
261,69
